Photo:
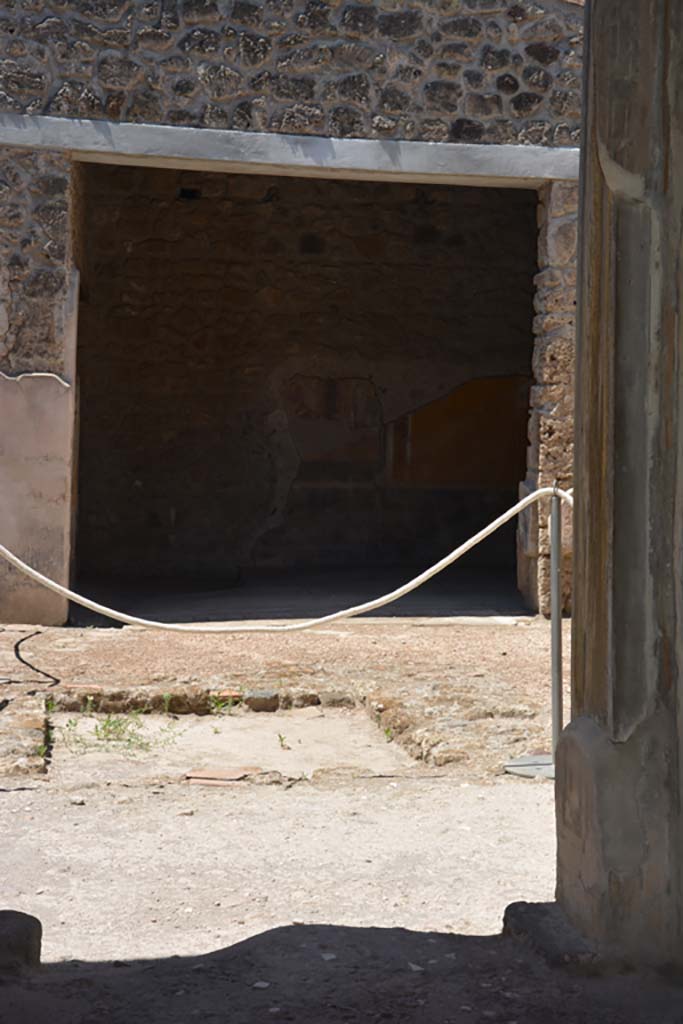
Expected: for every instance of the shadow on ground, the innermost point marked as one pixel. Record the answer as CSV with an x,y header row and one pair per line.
x,y
324,974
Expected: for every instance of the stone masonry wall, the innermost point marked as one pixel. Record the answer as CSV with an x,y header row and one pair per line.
x,y
479,71
245,343
550,455
38,199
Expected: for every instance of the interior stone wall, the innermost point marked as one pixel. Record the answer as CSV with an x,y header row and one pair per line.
x,y
550,455
252,350
459,70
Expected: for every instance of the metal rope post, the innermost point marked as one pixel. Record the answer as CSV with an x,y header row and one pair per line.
x,y
556,614
543,765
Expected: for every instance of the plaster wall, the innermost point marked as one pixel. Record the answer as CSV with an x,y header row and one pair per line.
x,y
36,431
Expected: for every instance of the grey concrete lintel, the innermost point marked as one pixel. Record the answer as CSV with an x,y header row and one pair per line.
x,y
207,149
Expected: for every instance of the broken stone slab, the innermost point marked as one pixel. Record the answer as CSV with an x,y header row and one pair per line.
x,y
545,928
257,777
20,940
262,700
299,699
337,699
220,775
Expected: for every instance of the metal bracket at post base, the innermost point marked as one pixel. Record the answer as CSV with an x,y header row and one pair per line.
x,y
534,766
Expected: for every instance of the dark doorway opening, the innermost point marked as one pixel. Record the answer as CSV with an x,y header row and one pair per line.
x,y
296,389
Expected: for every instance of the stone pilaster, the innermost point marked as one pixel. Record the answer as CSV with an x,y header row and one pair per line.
x,y
619,784
38,302
551,420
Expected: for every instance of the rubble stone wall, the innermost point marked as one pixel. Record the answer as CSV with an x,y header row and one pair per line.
x,y
550,455
38,214
480,71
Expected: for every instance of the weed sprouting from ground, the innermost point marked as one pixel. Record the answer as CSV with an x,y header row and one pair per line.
x,y
283,742
122,730
220,706
71,738
45,748
124,733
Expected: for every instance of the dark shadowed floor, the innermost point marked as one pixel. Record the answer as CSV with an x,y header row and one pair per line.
x,y
325,974
294,595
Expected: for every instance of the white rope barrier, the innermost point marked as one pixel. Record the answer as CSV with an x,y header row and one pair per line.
x,y
346,613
